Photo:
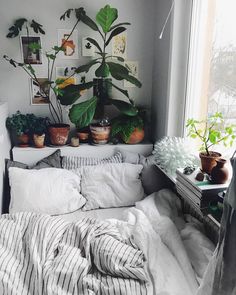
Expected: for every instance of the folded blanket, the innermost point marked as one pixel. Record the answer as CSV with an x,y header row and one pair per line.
x,y
40,254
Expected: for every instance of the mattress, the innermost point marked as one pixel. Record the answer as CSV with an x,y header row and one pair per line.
x,y
101,214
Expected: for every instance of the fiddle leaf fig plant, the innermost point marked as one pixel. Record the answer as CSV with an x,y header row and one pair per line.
x,y
211,131
81,114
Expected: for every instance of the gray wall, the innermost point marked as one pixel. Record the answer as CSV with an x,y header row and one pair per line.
x,y
14,84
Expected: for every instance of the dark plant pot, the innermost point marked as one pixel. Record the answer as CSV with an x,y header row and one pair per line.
x,y
102,89
39,140
208,161
58,133
23,140
83,134
136,136
100,134
219,173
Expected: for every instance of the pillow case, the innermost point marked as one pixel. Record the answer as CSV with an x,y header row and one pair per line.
x,y
73,162
152,179
111,185
53,160
50,190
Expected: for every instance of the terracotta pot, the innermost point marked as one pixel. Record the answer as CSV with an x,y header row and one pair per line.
x,y
100,134
23,140
208,161
83,136
136,136
59,133
219,173
39,140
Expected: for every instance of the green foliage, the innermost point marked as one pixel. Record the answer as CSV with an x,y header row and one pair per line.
x,y
17,27
106,17
212,131
124,126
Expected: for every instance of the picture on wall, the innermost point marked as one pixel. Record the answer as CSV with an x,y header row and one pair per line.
x,y
31,49
119,45
132,66
69,43
65,73
39,92
88,48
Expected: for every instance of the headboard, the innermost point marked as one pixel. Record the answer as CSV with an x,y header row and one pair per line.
x,y
5,147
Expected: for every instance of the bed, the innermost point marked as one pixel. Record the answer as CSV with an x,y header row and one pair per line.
x,y
97,227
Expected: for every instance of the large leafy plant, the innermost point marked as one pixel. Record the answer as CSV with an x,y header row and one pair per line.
x,y
81,114
211,132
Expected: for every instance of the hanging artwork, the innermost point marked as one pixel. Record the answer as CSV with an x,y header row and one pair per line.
x,y
88,48
119,45
132,66
69,44
39,91
66,74
31,49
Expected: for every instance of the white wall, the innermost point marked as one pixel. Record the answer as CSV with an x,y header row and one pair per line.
x,y
4,147
14,84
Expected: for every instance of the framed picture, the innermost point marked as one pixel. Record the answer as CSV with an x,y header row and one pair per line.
x,y
64,73
119,45
39,92
132,66
88,48
69,44
31,49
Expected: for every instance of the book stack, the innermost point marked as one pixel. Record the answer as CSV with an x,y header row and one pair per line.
x,y
197,193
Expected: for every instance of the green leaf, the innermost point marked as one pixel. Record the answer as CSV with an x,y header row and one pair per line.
x,y
34,47
16,28
37,27
58,48
102,71
95,43
81,114
117,71
118,25
125,92
79,12
124,107
66,14
133,80
51,56
114,33
106,16
72,92
86,67
89,22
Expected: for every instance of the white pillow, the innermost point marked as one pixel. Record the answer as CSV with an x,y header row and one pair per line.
x,y
50,190
111,185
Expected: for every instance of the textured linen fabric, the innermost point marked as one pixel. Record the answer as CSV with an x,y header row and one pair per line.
x,y
46,255
111,185
50,191
73,162
220,278
152,179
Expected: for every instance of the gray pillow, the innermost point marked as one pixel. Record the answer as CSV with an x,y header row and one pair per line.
x,y
152,178
51,161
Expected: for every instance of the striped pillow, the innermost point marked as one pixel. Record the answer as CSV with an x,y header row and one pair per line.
x,y
73,162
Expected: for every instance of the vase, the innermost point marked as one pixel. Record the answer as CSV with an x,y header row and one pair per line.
x,y
208,161
100,134
59,134
219,173
102,90
39,140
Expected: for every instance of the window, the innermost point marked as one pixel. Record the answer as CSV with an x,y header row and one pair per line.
x,y
211,84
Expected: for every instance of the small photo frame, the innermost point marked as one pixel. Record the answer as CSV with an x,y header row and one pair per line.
x,y
64,73
31,55
119,45
39,91
133,67
69,44
88,49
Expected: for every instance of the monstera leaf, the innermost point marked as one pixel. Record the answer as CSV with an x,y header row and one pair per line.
x,y
81,114
106,16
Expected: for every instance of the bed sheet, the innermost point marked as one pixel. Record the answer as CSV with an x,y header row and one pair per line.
x,y
100,214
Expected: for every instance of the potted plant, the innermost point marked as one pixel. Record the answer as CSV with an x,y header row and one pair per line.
x,y
211,132
18,124
38,128
129,128
106,67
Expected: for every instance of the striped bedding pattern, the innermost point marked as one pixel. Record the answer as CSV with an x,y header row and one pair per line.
x,y
73,162
40,254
